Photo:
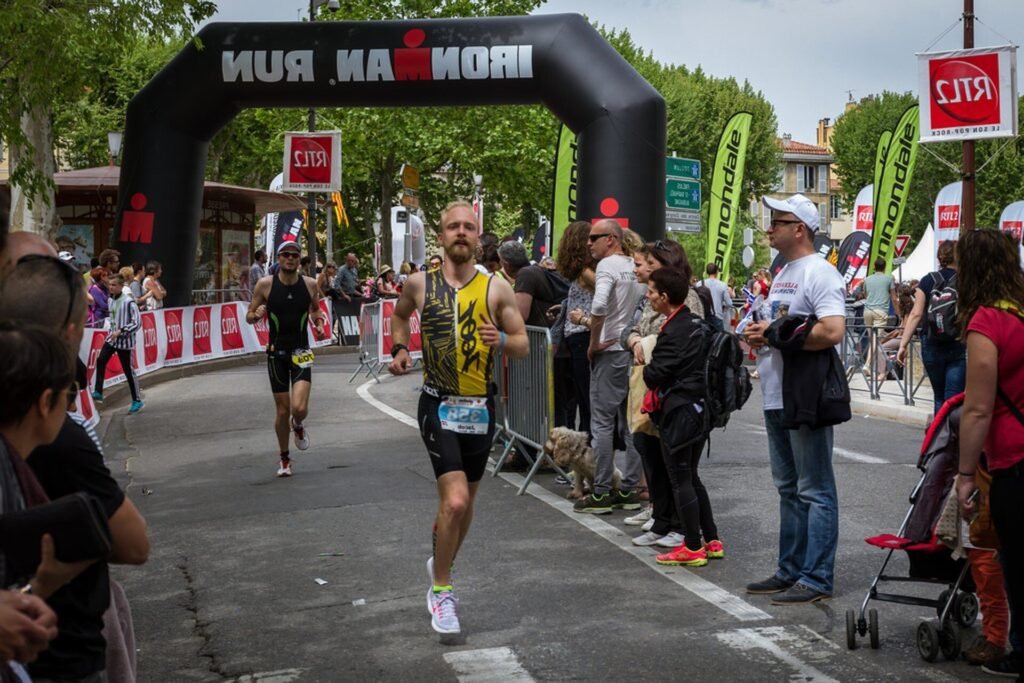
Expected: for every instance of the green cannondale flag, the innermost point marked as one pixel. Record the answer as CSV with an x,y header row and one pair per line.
x,y
726,184
894,189
563,209
883,146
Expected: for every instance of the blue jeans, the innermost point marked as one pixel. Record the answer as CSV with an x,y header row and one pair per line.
x,y
801,461
946,366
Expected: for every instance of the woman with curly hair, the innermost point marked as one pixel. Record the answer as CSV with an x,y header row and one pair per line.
x,y
990,303
577,265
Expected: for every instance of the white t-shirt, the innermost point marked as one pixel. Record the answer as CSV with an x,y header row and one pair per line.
x,y
616,295
807,285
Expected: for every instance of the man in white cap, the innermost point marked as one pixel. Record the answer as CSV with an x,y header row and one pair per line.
x,y
289,300
801,459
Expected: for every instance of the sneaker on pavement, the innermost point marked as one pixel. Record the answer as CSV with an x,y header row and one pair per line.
x,y
1006,666
715,550
640,517
443,617
648,525
285,468
683,557
625,500
430,585
97,396
136,407
982,651
770,585
594,503
673,540
647,538
301,436
799,594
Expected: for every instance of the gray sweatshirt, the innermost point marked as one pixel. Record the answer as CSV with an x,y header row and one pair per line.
x,y
616,295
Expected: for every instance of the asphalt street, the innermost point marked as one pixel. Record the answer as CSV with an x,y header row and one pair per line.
x,y
322,577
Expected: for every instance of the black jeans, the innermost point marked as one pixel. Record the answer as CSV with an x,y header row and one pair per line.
x,y
125,356
659,488
565,392
1008,515
578,344
691,497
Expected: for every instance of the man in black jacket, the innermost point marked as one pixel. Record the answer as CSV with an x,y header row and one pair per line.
x,y
801,458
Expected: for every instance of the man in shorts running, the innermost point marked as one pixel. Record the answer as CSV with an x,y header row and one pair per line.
x,y
464,316
289,300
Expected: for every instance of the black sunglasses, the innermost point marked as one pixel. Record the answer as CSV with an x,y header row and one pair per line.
x,y
69,274
596,236
288,254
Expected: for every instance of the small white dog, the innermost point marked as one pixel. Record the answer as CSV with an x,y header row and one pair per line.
x,y
570,449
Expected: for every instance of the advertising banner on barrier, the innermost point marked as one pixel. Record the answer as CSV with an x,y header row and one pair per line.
x,y
968,94
947,217
387,307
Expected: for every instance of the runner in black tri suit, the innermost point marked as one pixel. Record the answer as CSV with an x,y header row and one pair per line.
x,y
464,316
289,300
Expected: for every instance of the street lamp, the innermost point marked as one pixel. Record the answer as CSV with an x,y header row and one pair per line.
x,y
113,145
333,6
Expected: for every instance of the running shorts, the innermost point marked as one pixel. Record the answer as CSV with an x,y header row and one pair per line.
x,y
450,451
284,373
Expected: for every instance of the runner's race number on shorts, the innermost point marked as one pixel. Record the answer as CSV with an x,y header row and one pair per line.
x,y
464,415
302,358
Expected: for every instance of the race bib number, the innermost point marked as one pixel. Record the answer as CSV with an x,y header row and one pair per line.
x,y
303,358
464,415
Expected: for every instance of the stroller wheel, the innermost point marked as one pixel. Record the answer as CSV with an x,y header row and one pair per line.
x,y
928,641
949,640
965,609
851,629
943,597
873,628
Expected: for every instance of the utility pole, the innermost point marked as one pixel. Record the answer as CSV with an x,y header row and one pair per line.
x,y
967,202
311,197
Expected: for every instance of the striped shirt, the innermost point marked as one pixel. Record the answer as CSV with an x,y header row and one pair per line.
x,y
124,316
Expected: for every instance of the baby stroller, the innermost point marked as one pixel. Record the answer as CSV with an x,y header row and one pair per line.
x,y
930,561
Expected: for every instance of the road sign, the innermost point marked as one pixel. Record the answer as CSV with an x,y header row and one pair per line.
x,y
682,220
682,193
677,167
901,243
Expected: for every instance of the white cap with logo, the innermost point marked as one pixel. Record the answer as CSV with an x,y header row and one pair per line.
x,y
798,205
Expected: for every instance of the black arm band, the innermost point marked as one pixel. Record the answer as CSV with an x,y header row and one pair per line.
x,y
395,348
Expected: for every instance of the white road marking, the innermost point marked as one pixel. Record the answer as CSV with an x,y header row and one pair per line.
x,y
859,457
279,676
770,639
364,393
491,665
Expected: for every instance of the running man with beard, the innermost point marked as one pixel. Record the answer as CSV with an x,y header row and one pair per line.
x,y
464,316
289,300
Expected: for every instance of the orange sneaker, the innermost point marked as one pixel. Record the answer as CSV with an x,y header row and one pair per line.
x,y
683,556
715,550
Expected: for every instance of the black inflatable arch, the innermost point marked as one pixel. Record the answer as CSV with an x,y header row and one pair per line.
x,y
557,60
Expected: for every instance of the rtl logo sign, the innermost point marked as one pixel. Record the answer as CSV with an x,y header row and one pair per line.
x,y
149,343
312,161
865,218
172,327
230,332
964,90
949,216
201,331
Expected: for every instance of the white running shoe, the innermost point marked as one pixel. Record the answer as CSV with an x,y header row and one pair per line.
x,y
639,518
301,436
673,539
443,618
430,584
647,538
285,468
648,525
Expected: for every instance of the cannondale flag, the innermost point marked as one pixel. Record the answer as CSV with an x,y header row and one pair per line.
x,y
947,217
864,209
894,187
563,203
883,146
726,188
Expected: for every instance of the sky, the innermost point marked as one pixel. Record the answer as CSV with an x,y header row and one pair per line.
x,y
805,56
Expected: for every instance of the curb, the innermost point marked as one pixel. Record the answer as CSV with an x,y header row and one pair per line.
x,y
914,416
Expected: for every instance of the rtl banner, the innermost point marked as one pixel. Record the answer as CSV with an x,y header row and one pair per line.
x,y
947,217
894,187
1012,220
563,203
968,94
864,210
726,188
312,162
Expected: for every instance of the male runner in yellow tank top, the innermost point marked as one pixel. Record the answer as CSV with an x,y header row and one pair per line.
x,y
464,316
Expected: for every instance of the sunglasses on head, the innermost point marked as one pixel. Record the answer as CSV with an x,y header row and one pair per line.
x,y
68,272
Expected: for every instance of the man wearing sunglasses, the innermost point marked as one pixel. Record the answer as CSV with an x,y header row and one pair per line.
x,y
801,459
616,295
289,300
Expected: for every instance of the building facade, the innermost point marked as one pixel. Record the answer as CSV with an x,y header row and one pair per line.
x,y
807,169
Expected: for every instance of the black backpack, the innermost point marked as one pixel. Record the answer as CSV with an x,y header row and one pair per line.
x,y
559,285
942,309
726,380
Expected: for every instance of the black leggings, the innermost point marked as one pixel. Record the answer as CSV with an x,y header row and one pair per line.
x,y
659,487
1008,516
125,356
692,502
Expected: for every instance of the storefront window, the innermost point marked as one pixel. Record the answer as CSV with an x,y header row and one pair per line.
x,y
236,258
204,276
79,241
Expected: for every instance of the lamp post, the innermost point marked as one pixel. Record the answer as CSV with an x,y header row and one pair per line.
x,y
333,6
113,145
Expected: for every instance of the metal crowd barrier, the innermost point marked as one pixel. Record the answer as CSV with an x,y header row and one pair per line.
x,y
202,297
526,403
369,333
862,352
